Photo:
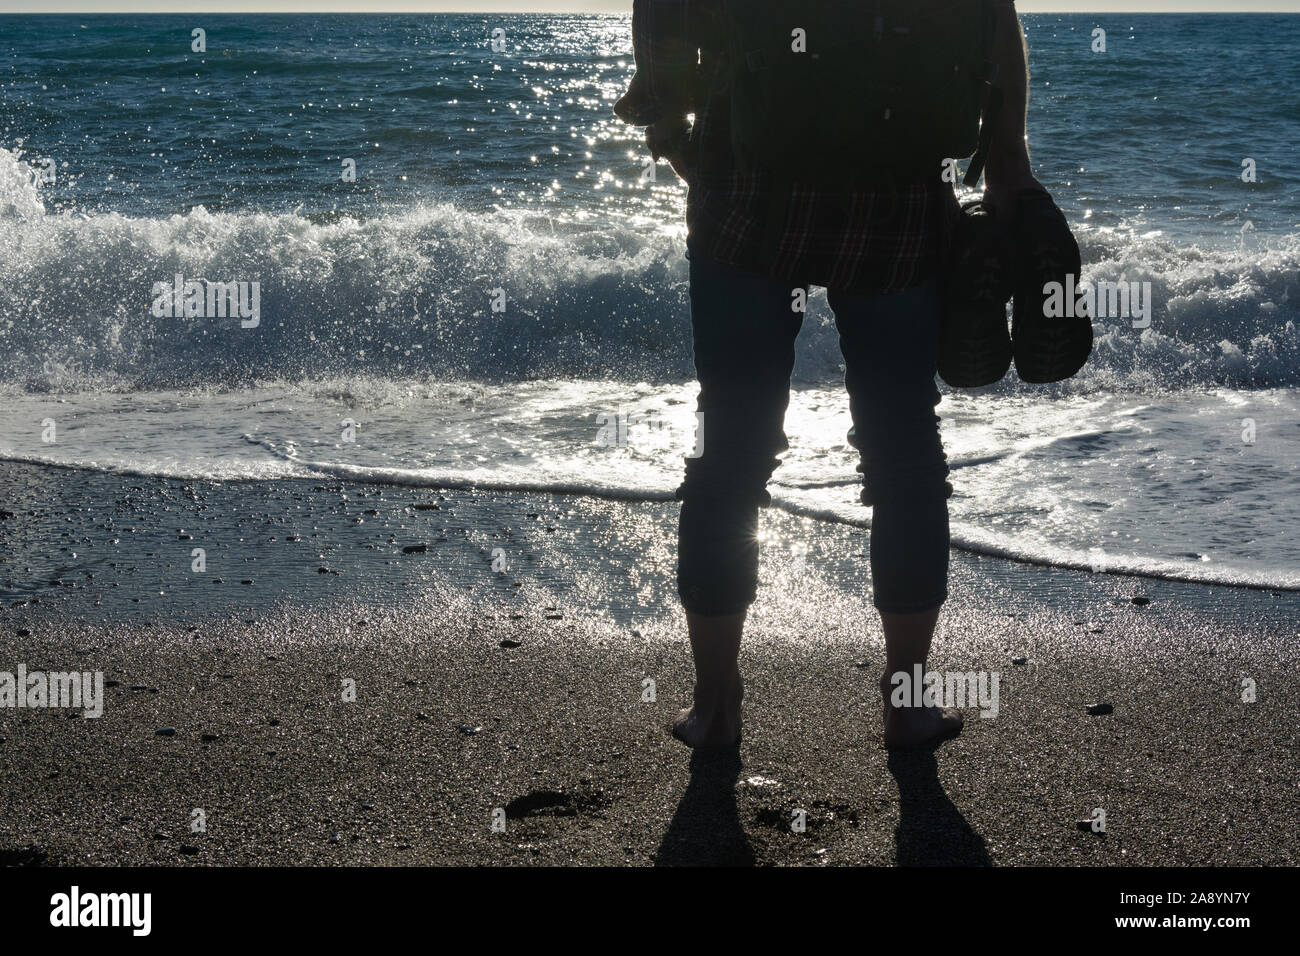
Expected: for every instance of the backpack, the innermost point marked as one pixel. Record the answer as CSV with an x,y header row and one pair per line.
x,y
845,92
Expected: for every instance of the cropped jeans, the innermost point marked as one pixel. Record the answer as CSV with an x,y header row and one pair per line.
x,y
744,331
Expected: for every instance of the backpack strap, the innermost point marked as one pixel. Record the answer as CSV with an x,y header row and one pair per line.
x,y
991,96
992,110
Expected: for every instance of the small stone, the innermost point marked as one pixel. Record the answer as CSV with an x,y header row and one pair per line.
x,y
469,730
415,549
1141,600
422,716
189,849
209,738
1100,710
1020,660
510,645
166,732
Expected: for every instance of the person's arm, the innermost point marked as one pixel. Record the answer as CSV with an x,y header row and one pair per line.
x,y
1008,172
660,95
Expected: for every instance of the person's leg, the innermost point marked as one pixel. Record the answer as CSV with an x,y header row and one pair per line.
x,y
890,345
713,719
744,331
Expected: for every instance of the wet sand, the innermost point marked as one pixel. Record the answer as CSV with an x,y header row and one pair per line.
x,y
474,695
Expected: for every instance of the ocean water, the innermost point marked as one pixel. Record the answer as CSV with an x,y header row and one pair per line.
x,y
498,297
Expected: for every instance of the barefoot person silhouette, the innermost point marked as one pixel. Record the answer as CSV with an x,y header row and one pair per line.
x,y
821,152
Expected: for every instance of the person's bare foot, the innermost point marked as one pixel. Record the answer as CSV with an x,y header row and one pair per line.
x,y
713,721
910,727
907,728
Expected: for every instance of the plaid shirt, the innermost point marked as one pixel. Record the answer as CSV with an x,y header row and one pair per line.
x,y
877,240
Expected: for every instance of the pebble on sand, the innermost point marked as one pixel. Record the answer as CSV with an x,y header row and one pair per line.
x,y
415,549
1100,710
166,732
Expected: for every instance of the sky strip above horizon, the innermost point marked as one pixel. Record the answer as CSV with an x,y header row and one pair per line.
x,y
575,6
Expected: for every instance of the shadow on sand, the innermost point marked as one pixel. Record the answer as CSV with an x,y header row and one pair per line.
x,y
931,830
706,830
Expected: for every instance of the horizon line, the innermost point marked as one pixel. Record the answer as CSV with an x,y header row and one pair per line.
x,y
576,13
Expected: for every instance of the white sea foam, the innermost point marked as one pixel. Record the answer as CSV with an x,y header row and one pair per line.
x,y
410,294
1137,465
1166,485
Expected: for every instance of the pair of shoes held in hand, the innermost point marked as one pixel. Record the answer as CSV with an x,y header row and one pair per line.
x,y
993,261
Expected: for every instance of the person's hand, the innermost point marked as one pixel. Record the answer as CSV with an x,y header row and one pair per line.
x,y
670,139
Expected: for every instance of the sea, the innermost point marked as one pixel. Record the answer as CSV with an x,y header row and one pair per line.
x,y
458,270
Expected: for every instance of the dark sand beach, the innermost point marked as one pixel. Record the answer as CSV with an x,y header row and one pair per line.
x,y
523,692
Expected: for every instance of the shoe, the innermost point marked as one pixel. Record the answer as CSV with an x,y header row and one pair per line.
x,y
974,344
1047,348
